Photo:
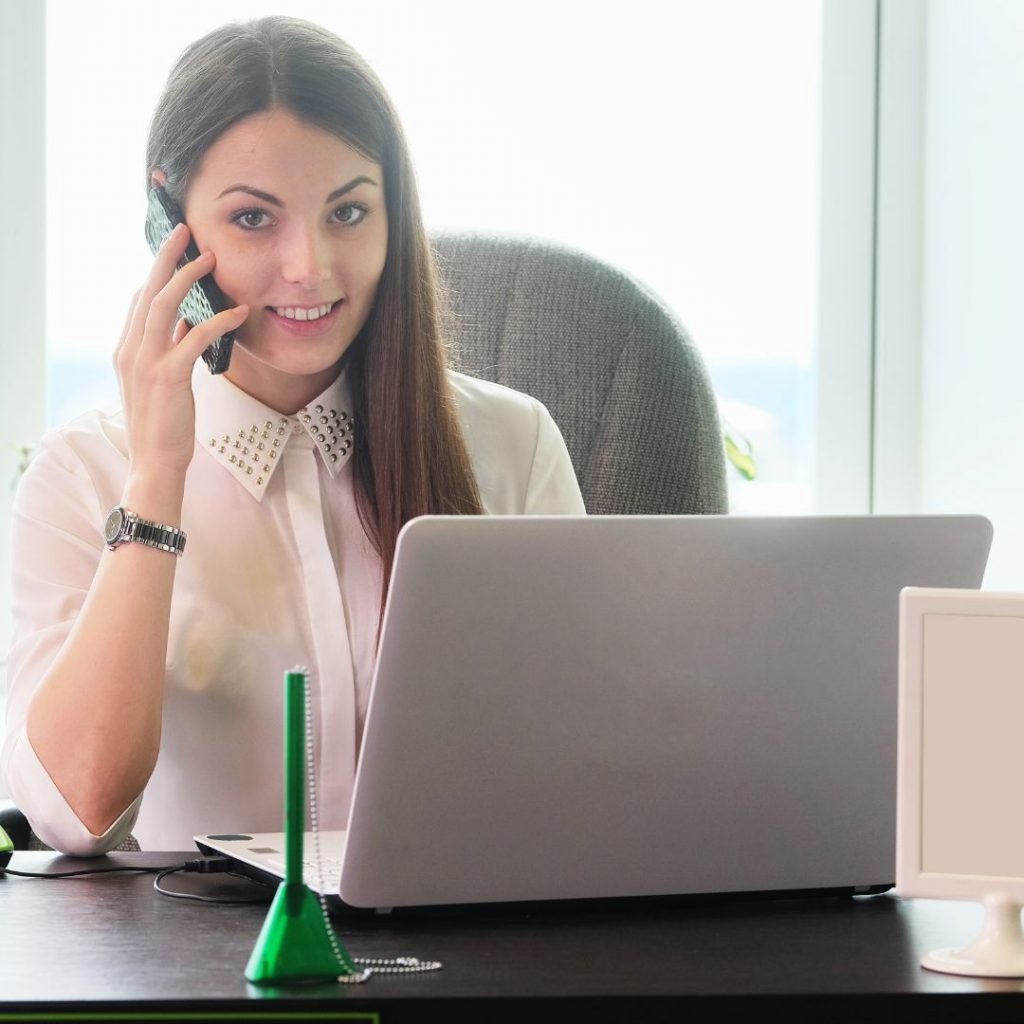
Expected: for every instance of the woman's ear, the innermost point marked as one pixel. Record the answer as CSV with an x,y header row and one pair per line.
x,y
157,178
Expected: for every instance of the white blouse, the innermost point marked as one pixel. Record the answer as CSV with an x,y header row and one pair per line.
x,y
277,572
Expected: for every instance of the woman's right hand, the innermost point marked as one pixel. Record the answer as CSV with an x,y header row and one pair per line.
x,y
154,361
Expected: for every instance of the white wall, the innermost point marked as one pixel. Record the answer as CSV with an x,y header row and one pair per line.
x,y
22,293
972,340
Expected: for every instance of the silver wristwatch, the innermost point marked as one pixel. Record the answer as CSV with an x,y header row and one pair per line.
x,y
125,527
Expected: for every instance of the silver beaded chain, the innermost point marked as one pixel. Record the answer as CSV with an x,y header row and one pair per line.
x,y
369,965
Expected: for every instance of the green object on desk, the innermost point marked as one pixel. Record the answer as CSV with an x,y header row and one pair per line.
x,y
294,944
6,848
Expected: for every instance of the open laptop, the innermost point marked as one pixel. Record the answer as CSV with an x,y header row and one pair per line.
x,y
633,706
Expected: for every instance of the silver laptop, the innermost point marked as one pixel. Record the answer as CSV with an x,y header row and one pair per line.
x,y
599,707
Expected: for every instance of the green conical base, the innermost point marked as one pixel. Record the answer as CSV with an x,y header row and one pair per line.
x,y
293,944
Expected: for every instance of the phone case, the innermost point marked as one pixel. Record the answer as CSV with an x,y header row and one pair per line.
x,y
204,298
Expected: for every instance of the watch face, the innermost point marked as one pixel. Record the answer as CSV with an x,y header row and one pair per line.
x,y
112,528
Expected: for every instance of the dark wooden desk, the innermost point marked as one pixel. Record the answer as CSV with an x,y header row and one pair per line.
x,y
109,945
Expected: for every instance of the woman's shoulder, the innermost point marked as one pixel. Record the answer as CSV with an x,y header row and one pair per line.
x,y
74,474
484,399
91,442
518,453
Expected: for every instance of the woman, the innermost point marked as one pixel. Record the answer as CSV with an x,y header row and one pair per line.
x,y
135,671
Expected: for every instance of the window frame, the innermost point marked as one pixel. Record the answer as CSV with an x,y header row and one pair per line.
x,y
23,265
846,363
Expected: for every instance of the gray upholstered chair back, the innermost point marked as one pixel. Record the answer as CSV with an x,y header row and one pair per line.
x,y
617,370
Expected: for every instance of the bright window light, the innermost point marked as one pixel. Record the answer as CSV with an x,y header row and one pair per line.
x,y
678,141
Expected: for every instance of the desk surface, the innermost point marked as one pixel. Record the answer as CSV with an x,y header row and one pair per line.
x,y
110,944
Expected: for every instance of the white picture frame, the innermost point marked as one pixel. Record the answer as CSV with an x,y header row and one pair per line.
x,y
960,766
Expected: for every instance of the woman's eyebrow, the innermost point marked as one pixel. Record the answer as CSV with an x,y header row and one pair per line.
x,y
274,201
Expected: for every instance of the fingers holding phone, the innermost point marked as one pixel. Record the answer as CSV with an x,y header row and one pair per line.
x,y
156,306
160,274
157,352
204,300
159,334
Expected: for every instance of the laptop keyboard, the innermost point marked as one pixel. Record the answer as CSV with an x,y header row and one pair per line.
x,y
310,875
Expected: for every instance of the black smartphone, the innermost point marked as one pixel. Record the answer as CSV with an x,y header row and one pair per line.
x,y
204,298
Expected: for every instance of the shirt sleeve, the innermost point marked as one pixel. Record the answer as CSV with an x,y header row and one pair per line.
x,y
552,488
55,549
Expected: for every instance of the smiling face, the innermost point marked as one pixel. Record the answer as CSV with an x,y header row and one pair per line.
x,y
296,220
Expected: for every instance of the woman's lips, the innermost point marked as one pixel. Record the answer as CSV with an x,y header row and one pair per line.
x,y
306,328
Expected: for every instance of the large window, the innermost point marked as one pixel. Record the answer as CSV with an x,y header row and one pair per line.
x,y
680,141
719,150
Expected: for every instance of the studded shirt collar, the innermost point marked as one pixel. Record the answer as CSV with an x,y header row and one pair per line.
x,y
248,438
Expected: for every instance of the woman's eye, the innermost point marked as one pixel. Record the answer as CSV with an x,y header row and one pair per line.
x,y
249,219
351,213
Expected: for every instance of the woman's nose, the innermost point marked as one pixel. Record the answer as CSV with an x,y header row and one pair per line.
x,y
305,259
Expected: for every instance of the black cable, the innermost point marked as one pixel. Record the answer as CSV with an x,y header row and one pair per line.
x,y
210,865
204,866
82,871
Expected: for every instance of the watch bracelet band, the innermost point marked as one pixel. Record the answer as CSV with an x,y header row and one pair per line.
x,y
157,535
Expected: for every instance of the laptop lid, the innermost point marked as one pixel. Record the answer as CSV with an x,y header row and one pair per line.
x,y
624,706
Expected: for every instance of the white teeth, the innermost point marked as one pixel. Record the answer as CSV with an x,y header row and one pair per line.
x,y
293,313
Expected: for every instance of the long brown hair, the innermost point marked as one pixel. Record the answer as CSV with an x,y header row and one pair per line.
x,y
410,457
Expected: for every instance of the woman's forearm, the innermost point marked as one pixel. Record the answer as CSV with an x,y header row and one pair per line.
x,y
94,722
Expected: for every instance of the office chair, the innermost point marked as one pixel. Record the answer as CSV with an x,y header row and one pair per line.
x,y
616,369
